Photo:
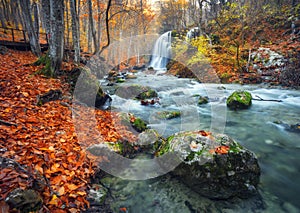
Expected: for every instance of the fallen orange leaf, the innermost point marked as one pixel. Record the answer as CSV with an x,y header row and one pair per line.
x,y
72,186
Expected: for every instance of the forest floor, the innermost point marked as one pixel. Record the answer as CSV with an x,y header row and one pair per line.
x,y
39,147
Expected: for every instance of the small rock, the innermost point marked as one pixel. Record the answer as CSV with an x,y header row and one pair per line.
x,y
98,193
131,76
202,100
169,114
3,50
239,100
120,80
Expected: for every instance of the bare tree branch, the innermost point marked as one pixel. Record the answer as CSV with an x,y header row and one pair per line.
x,y
107,26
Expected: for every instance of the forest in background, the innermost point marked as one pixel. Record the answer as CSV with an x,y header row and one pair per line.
x,y
230,29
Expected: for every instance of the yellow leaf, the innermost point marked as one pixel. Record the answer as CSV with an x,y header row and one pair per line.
x,y
54,200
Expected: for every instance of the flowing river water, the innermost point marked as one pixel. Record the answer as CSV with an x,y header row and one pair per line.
x,y
262,129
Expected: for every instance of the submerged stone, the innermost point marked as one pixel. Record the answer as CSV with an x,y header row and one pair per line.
x,y
168,114
202,100
213,165
239,100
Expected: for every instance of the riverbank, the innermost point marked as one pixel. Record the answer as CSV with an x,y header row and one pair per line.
x,y
39,146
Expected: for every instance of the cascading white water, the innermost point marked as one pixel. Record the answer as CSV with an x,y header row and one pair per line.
x,y
162,51
192,33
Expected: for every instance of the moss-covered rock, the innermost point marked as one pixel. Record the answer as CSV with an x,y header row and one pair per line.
x,y
168,114
130,120
202,100
120,80
24,200
139,125
86,87
214,165
136,91
98,193
147,143
239,100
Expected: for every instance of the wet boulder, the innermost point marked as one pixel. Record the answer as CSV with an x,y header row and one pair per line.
x,y
239,100
213,165
202,100
136,92
168,114
134,124
147,143
86,88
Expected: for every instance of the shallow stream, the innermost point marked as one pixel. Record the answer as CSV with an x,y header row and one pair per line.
x,y
261,129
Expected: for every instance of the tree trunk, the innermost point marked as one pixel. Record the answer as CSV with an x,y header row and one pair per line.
x,y
36,20
46,16
56,46
67,26
99,24
15,13
5,11
78,19
3,23
75,31
89,37
91,23
33,40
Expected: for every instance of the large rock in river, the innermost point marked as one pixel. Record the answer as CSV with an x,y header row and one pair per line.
x,y
86,88
136,91
214,165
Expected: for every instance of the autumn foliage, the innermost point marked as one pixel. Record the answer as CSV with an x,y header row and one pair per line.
x,y
42,140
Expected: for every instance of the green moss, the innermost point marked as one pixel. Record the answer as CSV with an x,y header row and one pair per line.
x,y
239,100
202,100
165,146
120,80
169,114
174,33
139,125
190,157
149,93
46,70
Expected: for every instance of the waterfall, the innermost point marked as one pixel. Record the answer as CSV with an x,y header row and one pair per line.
x,y
193,33
162,51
